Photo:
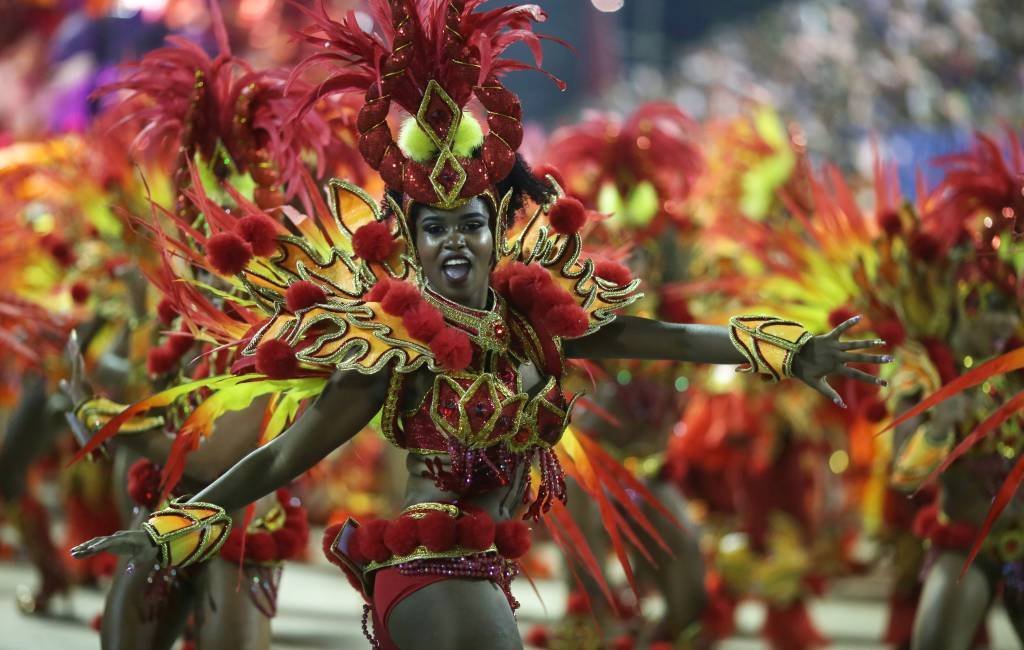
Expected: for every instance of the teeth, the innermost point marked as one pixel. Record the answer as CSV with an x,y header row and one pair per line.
x,y
458,262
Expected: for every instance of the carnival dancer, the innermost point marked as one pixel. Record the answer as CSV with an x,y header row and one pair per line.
x,y
451,317
969,445
217,115
71,275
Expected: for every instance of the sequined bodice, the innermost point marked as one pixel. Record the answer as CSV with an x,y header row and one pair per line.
x,y
484,419
487,404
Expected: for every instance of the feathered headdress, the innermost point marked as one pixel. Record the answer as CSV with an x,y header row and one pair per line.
x,y
219,108
430,58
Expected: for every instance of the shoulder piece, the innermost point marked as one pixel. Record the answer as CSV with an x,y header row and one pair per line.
x,y
536,241
341,328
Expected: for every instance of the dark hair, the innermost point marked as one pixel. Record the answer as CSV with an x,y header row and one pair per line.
x,y
520,181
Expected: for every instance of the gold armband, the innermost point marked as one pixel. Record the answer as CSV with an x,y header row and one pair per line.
x,y
187,533
95,413
769,344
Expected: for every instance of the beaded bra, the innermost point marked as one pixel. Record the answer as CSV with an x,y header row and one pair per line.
x,y
483,417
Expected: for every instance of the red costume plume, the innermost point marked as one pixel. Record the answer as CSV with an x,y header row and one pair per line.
x,y
183,100
430,57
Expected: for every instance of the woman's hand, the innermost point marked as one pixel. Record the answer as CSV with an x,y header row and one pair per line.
x,y
828,354
133,543
77,389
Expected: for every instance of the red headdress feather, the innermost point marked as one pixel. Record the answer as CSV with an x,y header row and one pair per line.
x,y
430,57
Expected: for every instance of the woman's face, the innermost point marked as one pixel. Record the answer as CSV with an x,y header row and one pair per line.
x,y
456,251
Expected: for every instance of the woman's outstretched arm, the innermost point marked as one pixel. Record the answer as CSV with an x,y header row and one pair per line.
x,y
346,405
631,337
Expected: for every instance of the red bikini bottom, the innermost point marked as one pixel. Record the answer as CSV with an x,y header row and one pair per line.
x,y
390,587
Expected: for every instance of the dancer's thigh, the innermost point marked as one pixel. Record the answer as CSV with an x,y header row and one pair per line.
x,y
228,617
455,615
126,625
951,607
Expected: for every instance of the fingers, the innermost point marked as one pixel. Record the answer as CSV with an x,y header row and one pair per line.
x,y
854,357
829,392
124,542
860,375
860,344
842,327
85,549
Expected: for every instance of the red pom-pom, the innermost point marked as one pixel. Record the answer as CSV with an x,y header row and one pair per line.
x,y
400,298
260,232
624,642
437,531
567,320
369,539
538,637
512,539
890,222
302,295
276,359
61,250
378,291
373,242
613,272
232,548
476,531
289,544
452,349
179,343
577,604
892,332
144,483
228,253
500,277
567,215
260,547
160,360
550,296
526,282
97,622
840,315
166,311
80,292
874,410
423,321
401,536
542,171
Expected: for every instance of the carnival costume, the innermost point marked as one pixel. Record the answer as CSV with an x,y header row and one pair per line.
x,y
67,257
340,289
975,210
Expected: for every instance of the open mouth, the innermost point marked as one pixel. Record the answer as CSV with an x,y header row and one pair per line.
x,y
456,269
